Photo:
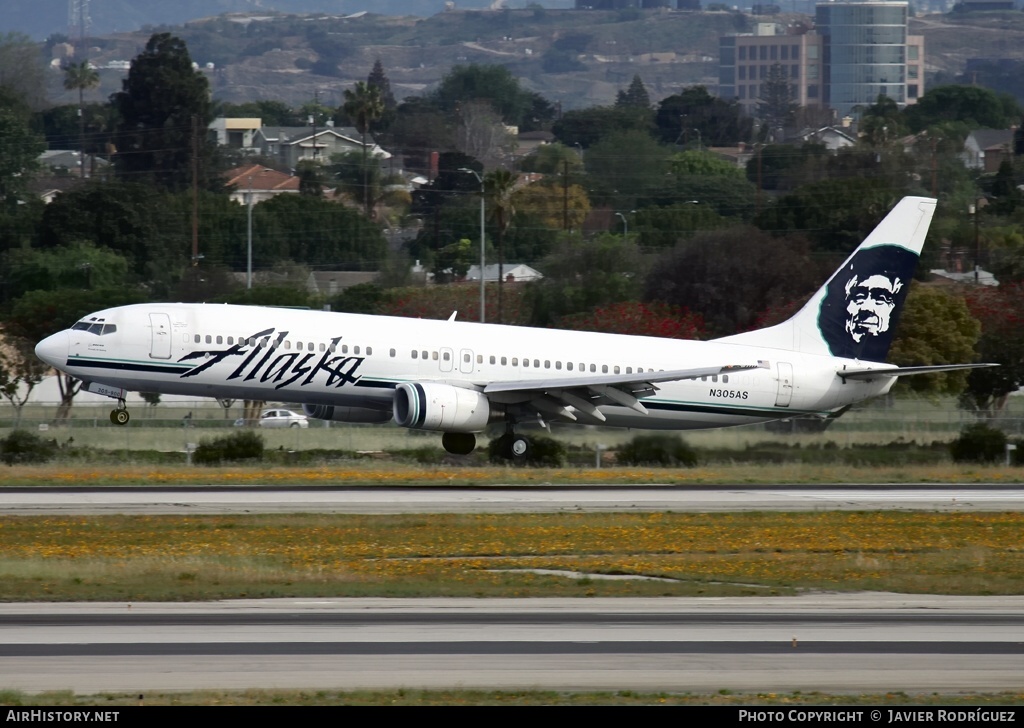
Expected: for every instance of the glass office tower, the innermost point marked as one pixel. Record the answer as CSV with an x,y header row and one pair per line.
x,y
865,53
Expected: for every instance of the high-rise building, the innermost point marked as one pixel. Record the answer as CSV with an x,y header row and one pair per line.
x,y
856,51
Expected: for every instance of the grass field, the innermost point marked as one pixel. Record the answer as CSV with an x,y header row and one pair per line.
x,y
182,558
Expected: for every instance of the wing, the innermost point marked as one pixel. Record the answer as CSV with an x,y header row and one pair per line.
x,y
905,371
588,392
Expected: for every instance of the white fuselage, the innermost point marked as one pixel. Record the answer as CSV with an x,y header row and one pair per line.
x,y
350,360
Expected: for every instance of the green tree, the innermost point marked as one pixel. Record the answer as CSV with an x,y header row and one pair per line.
x,y
935,328
22,74
552,159
311,178
79,265
80,77
165,109
317,232
635,96
836,214
882,123
694,110
664,227
494,84
453,261
775,106
379,80
123,217
582,275
498,188
730,276
973,105
587,127
365,105
626,169
19,152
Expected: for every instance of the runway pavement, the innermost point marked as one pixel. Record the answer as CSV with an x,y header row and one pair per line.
x,y
497,499
833,643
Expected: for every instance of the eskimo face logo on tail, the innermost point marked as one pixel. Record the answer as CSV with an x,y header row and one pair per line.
x,y
863,300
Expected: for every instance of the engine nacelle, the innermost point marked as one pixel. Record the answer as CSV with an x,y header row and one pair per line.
x,y
337,413
430,406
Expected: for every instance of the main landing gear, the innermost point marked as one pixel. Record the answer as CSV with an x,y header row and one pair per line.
x,y
120,416
510,445
513,447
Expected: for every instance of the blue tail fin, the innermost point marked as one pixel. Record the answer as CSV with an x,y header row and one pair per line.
x,y
854,315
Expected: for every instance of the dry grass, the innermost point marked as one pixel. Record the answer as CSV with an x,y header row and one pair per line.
x,y
217,557
370,472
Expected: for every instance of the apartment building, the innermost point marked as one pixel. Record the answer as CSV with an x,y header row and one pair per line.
x,y
854,52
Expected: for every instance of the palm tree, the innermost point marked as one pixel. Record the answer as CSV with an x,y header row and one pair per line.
x,y
364,105
498,186
80,76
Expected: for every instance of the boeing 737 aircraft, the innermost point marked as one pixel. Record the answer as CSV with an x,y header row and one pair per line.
x,y
459,377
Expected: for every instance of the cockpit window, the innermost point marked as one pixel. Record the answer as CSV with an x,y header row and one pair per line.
x,y
94,326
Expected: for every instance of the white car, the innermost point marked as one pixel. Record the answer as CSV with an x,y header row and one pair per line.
x,y
279,418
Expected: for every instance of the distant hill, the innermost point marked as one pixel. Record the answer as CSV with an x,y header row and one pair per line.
x,y
40,18
574,58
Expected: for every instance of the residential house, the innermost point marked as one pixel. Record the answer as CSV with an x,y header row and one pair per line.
x,y
290,145
512,272
237,133
834,138
69,162
259,182
985,149
333,282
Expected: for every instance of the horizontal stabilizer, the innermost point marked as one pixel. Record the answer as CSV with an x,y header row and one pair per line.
x,y
906,371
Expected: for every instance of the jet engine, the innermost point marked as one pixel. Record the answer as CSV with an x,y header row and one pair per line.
x,y
336,413
443,407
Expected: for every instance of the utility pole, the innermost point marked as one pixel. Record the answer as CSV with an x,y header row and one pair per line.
x,y
565,194
483,299
195,190
248,267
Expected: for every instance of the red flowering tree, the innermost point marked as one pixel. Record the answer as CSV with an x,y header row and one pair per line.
x,y
1000,309
638,319
439,301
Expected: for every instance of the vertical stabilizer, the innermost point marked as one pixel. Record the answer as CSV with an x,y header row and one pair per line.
x,y
854,315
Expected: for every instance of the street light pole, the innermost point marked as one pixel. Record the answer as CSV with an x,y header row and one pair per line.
x,y
625,227
975,209
483,300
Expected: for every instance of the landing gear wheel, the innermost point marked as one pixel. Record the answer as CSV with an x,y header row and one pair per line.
x,y
519,448
511,446
120,416
458,443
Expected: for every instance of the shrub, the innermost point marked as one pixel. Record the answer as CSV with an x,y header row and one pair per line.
x,y
665,450
24,447
244,445
978,443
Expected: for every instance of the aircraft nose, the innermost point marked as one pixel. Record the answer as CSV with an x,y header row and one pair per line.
x,y
54,349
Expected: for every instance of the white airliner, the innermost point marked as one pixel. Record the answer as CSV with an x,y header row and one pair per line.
x,y
458,377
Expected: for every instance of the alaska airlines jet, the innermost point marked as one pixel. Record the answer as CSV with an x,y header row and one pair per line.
x,y
458,377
